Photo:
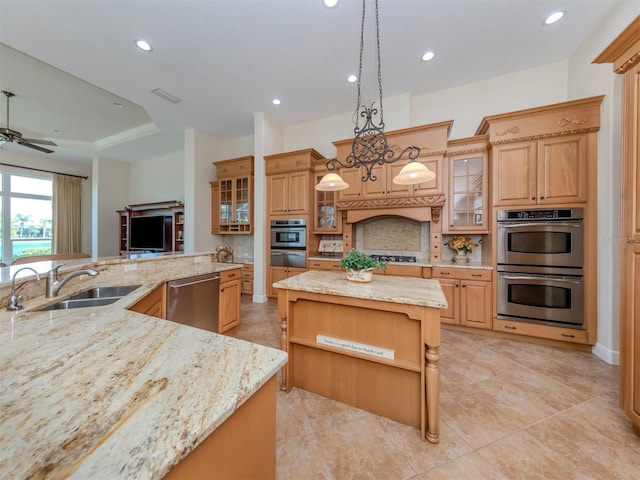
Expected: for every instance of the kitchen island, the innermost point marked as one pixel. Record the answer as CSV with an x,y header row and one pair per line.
x,y
103,392
370,345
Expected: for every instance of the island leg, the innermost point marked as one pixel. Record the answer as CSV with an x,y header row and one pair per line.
x,y
432,374
284,345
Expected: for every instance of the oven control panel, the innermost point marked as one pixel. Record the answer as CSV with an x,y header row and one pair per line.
x,y
555,214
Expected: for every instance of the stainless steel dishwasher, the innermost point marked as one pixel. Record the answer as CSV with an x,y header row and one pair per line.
x,y
194,301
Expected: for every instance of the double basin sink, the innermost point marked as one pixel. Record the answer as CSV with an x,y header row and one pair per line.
x,y
94,297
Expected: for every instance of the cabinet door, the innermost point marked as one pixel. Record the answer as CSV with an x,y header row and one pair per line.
x,y
215,207
353,176
515,174
277,194
451,290
242,200
299,194
467,206
276,274
153,304
475,304
562,170
394,190
229,311
226,202
326,218
377,189
434,186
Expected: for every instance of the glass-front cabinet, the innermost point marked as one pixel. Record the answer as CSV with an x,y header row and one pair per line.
x,y
232,196
326,219
467,208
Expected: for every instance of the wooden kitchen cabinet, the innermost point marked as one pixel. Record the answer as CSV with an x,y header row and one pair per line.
x,y
275,274
247,279
624,55
153,304
467,164
233,196
323,264
469,296
326,217
229,301
215,207
173,212
289,182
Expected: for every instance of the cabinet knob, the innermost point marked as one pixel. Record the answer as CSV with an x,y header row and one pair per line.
x,y
510,327
533,198
542,198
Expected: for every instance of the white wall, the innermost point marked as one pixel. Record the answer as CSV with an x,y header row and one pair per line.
x,y
48,162
110,181
157,179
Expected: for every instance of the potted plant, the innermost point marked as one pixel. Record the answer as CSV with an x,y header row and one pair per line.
x,y
463,246
359,266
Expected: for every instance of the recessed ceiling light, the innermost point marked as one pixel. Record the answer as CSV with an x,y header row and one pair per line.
x,y
352,78
117,105
554,17
330,3
275,101
57,131
428,56
143,45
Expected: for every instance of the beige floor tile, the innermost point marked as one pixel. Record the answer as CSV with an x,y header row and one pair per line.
x,y
324,413
302,458
291,417
468,467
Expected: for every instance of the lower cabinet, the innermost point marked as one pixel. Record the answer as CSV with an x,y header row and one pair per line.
x,y
154,304
323,264
229,301
469,294
275,274
247,279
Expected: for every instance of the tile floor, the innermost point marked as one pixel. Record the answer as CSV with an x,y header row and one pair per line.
x,y
509,410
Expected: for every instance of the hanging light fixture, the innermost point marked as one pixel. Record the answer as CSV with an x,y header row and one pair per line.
x,y
370,145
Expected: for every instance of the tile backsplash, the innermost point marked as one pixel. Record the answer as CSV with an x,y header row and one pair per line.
x,y
393,236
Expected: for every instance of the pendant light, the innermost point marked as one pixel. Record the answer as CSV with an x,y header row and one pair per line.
x,y
370,146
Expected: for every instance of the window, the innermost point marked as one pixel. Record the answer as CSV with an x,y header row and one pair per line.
x,y
26,216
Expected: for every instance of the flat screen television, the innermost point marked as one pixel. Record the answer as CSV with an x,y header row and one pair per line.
x,y
150,233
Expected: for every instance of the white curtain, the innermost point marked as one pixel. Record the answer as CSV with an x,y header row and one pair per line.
x,y
67,197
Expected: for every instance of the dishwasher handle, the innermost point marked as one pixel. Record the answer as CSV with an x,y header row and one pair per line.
x,y
195,282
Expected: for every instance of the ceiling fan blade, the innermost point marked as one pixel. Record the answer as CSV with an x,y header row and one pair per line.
x,y
35,147
40,142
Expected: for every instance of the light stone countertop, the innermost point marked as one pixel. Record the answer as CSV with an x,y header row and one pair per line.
x,y
406,290
104,392
423,262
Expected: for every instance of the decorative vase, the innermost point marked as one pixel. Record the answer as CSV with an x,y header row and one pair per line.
x,y
461,256
360,275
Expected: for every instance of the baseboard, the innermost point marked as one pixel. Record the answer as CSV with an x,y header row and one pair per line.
x,y
610,356
260,299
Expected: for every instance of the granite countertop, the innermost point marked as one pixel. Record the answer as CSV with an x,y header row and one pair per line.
x,y
423,262
406,290
105,392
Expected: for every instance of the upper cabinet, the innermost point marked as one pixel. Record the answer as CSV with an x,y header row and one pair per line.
x,y
383,193
466,177
326,218
232,196
545,155
289,182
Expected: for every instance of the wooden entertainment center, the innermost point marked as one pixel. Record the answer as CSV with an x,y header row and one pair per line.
x,y
171,210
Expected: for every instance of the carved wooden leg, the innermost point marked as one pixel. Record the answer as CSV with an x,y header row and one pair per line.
x,y
432,374
284,345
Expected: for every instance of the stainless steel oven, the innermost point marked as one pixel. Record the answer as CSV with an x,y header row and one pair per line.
x,y
541,266
289,234
284,258
551,238
550,299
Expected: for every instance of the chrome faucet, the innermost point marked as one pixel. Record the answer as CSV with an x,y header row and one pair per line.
x,y
54,285
16,300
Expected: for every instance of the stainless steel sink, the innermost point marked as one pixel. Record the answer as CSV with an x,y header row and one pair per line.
x,y
94,297
105,292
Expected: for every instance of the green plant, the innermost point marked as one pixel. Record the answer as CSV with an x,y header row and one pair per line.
x,y
355,260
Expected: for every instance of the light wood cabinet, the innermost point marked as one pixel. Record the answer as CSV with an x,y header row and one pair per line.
x,y
233,196
276,274
247,279
323,264
289,182
549,171
178,228
215,207
326,217
624,54
153,304
469,296
467,164
229,301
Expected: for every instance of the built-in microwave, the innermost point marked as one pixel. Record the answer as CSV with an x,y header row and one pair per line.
x,y
289,234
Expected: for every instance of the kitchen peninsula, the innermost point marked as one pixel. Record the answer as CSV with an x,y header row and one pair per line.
x,y
370,345
109,393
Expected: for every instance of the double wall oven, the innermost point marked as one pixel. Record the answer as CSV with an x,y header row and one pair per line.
x,y
288,241
541,266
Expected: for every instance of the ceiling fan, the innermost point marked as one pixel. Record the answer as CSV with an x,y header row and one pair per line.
x,y
7,135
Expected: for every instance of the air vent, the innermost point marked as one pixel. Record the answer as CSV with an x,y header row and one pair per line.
x,y
166,96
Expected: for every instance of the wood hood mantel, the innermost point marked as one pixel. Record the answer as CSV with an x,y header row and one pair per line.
x,y
422,209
